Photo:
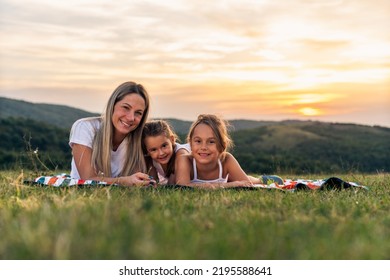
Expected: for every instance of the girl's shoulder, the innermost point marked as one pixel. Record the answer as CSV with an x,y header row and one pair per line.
x,y
228,159
184,157
185,146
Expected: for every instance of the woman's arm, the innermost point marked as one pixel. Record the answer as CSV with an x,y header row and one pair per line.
x,y
82,156
83,159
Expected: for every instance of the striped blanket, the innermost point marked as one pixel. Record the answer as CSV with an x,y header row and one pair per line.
x,y
290,185
64,180
332,183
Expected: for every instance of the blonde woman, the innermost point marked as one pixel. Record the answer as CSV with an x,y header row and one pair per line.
x,y
108,148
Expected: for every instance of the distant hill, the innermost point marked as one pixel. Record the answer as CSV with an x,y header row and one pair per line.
x,y
182,127
289,147
65,116
293,147
23,141
313,147
59,115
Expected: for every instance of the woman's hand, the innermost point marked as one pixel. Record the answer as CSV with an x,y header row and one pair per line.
x,y
138,179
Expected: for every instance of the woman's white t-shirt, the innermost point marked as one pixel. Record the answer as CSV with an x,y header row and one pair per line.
x,y
83,131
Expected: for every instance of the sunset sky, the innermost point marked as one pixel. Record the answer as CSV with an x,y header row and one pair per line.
x,y
263,60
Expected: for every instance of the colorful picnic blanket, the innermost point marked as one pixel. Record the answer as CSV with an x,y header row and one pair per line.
x,y
332,183
64,180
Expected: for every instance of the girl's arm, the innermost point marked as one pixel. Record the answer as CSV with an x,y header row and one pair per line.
x,y
183,174
152,172
237,176
183,169
179,153
83,158
234,169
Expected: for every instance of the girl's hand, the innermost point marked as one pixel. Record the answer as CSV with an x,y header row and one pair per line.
x,y
217,186
243,183
209,186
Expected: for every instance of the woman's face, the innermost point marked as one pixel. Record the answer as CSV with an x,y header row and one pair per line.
x,y
128,114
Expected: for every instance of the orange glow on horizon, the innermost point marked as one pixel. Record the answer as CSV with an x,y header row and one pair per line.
x,y
308,111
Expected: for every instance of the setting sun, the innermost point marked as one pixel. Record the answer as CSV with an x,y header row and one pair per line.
x,y
308,111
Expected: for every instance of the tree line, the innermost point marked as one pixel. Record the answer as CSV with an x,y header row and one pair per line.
x,y
278,148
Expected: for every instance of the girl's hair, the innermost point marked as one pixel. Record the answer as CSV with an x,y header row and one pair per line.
x,y
156,128
102,144
219,128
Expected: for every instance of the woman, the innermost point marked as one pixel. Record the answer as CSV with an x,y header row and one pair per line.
x,y
108,148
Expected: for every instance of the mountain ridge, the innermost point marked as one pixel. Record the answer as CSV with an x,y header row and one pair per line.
x,y
261,147
59,115
64,116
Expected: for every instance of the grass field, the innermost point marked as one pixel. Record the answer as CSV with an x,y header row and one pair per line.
x,y
131,223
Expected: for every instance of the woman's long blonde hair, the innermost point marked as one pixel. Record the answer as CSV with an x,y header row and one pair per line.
x,y
102,144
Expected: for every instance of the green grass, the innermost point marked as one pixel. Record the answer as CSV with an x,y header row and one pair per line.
x,y
132,223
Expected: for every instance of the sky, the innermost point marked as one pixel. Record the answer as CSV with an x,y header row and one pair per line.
x,y
325,60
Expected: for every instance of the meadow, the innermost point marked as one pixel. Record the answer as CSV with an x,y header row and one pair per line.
x,y
113,223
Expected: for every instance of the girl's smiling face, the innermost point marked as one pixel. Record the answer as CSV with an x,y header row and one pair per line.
x,y
204,144
159,148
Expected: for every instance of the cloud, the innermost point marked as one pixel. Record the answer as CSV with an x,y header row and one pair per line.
x,y
246,58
